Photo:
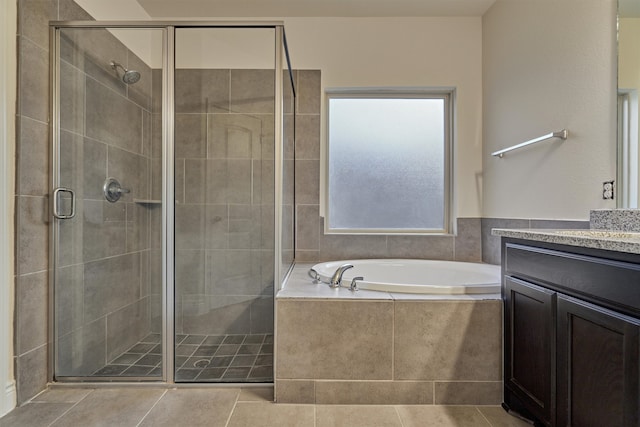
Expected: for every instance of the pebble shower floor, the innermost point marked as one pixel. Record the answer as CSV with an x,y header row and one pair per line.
x,y
200,358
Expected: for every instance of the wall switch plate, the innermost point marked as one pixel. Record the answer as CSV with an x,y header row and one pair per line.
x,y
607,190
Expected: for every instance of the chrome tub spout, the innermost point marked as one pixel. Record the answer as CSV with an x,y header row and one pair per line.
x,y
336,279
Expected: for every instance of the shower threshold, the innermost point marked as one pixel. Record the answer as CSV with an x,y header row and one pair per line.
x,y
199,358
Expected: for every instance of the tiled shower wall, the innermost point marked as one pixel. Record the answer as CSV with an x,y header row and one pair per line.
x,y
224,201
32,188
102,293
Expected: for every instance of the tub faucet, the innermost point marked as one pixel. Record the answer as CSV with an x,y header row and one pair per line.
x,y
336,279
354,285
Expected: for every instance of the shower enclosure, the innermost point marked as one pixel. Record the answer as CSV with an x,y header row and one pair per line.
x,y
172,199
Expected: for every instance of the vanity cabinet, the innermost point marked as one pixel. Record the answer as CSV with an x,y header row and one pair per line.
x,y
597,365
530,344
572,334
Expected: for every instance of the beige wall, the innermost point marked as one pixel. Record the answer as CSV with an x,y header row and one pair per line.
x,y
356,52
545,65
628,75
549,65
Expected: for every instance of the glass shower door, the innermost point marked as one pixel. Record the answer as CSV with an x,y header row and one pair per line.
x,y
224,211
107,204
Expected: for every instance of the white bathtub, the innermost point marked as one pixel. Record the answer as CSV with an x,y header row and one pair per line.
x,y
416,276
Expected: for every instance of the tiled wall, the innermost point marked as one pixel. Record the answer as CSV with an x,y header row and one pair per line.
x,y
290,123
225,201
32,188
491,244
102,295
313,245
389,352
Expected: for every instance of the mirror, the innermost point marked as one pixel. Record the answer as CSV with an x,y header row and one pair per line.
x,y
628,112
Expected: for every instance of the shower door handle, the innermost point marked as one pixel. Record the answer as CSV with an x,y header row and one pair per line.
x,y
56,203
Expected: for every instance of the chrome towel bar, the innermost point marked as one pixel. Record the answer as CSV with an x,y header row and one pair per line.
x,y
563,134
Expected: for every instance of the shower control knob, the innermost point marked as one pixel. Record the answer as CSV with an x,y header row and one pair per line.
x,y
113,190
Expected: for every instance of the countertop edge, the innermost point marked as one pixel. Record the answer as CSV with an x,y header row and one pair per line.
x,y
551,236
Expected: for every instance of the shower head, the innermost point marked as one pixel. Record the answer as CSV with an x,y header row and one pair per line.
x,y
130,76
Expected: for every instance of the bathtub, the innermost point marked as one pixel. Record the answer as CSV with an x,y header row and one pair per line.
x,y
415,276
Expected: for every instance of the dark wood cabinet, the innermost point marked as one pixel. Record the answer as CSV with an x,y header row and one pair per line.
x,y
597,365
529,343
572,335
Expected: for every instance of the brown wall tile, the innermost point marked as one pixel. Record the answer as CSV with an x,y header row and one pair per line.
x,y
33,81
308,136
33,158
202,91
295,391
448,340
252,91
468,393
31,373
127,326
425,247
468,241
309,91
374,392
32,301
307,181
33,20
32,234
308,227
336,345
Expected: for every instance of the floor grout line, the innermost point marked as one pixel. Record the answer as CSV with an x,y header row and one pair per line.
x,y
233,409
152,406
483,416
72,406
398,414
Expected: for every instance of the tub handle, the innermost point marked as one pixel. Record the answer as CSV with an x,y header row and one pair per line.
x,y
354,286
314,275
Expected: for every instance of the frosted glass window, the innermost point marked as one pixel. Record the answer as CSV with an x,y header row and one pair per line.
x,y
388,163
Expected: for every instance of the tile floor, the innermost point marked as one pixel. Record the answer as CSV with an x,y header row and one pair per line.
x,y
231,407
200,358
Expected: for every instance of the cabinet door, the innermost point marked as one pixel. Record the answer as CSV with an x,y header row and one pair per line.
x,y
597,366
529,346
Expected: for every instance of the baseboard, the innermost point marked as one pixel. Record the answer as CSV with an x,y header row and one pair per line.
x,y
8,398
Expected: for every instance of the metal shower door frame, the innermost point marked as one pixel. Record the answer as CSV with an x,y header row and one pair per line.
x,y
168,174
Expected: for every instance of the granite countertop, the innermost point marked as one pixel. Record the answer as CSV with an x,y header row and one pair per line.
x,y
611,240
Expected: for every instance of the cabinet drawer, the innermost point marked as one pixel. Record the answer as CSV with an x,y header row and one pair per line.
x,y
614,284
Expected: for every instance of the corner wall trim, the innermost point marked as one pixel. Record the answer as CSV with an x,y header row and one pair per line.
x,y
8,399
8,93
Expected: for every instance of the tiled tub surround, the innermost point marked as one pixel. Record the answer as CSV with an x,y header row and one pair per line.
x,y
338,347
